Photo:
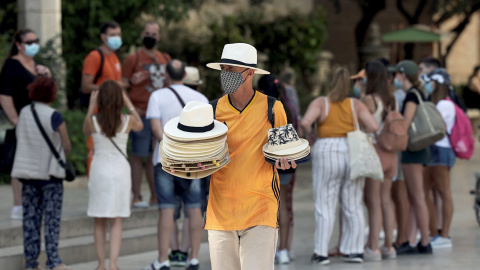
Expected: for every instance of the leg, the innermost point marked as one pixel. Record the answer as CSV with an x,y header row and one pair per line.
x,y
224,250
373,203
115,241
192,199
442,180
291,185
137,173
17,192
165,228
416,196
149,175
438,208
353,226
428,188
174,240
257,248
100,236
399,195
284,218
185,246
412,227
52,199
387,212
32,223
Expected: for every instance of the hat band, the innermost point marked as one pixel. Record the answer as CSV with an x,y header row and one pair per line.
x,y
235,62
195,129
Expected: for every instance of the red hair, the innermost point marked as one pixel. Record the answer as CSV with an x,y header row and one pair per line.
x,y
43,89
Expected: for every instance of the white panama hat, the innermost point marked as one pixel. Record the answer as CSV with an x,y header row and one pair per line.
x,y
193,76
284,142
240,55
195,123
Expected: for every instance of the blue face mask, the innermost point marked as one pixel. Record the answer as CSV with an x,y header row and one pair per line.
x,y
397,84
356,91
114,42
32,49
365,81
429,88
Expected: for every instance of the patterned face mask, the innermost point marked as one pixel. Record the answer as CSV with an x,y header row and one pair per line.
x,y
231,81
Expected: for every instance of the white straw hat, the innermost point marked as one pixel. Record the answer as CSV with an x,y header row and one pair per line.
x,y
193,76
195,123
240,55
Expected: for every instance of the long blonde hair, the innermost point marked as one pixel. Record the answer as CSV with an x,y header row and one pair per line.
x,y
340,85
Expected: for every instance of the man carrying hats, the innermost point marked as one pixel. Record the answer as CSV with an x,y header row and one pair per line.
x,y
242,213
165,104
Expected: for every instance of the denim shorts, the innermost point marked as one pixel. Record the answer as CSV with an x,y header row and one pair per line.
x,y
142,140
441,156
188,190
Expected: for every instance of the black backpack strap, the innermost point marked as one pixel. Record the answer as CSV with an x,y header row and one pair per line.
x,y
178,96
102,60
271,115
214,105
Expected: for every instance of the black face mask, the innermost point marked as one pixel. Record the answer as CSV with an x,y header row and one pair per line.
x,y
149,42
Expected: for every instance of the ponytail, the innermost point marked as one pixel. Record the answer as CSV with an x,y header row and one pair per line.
x,y
19,35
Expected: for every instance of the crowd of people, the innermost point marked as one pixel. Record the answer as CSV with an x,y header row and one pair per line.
x,y
245,209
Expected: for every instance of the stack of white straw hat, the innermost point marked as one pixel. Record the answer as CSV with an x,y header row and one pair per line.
x,y
283,142
194,144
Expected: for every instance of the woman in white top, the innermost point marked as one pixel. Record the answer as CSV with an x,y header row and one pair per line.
x,y
442,158
110,181
378,199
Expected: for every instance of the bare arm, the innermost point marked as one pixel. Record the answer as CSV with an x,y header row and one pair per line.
x,y
136,123
9,108
409,112
368,101
157,129
88,122
67,146
87,84
365,117
475,84
313,114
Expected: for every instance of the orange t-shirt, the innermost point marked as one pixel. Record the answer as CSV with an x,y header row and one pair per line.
x,y
140,93
245,193
112,69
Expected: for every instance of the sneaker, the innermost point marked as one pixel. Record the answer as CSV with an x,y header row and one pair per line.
x,y
372,255
193,265
424,249
319,260
178,258
441,242
353,258
405,249
388,253
282,257
163,266
291,255
17,212
140,204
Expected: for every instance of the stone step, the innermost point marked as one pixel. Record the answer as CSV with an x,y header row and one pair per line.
x,y
80,226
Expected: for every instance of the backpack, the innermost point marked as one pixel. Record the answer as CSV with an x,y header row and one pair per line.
x,y
394,134
427,126
461,138
270,101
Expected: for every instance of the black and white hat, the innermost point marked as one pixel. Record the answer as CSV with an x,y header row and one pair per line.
x,y
439,75
240,55
284,142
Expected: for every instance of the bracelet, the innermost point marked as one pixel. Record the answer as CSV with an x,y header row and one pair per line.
x,y
131,109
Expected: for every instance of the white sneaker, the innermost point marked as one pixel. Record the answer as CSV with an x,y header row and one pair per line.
x,y
17,212
282,257
441,242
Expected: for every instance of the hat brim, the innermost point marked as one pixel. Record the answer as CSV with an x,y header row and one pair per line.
x,y
216,66
288,151
191,159
392,69
172,131
305,159
295,157
196,175
196,83
208,167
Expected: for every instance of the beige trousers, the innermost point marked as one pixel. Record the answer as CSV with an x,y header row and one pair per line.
x,y
250,249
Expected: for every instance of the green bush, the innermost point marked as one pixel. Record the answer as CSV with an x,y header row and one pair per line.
x,y
78,155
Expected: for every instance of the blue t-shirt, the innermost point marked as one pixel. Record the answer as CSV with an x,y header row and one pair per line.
x,y
57,120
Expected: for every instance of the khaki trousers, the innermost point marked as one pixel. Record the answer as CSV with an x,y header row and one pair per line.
x,y
250,249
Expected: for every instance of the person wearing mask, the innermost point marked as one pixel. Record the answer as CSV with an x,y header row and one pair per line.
x,y
271,86
41,173
407,78
109,182
94,72
144,72
442,158
360,82
18,71
164,105
379,100
428,64
331,171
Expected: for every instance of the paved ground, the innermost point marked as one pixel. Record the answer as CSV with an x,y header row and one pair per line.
x,y
465,231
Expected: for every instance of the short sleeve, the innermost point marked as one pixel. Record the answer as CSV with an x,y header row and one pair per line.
x,y
154,108
280,115
57,120
5,84
91,64
127,67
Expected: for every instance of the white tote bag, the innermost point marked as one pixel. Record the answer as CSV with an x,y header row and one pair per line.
x,y
364,161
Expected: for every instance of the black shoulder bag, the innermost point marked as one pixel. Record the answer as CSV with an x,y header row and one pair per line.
x,y
69,170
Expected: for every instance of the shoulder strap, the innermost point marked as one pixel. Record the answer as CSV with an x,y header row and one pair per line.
x,y
178,96
420,99
102,60
125,123
95,124
271,115
118,148
45,136
355,119
214,105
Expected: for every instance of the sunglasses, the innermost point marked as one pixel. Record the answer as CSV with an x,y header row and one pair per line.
x,y
30,42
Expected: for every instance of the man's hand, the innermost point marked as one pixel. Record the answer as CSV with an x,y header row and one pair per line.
x,y
139,76
282,164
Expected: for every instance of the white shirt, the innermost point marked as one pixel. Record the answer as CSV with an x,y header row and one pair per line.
x,y
447,110
164,105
